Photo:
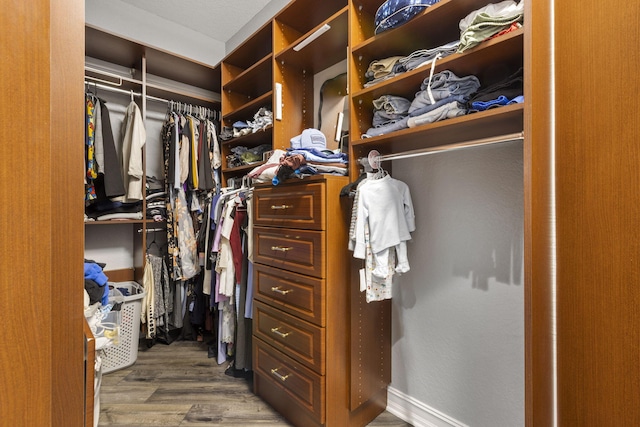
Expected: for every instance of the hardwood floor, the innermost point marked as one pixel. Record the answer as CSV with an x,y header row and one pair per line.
x,y
178,385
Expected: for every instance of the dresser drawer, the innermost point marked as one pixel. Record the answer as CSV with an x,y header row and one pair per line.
x,y
295,206
300,251
302,296
301,340
275,372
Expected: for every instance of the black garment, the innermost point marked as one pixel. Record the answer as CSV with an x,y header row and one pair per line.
x,y
509,87
205,171
350,189
243,339
187,130
94,290
113,183
95,210
169,137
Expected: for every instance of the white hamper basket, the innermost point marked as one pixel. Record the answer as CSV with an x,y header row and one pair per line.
x,y
126,352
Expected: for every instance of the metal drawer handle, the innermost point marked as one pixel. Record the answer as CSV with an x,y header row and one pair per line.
x,y
281,207
280,291
281,248
281,334
279,375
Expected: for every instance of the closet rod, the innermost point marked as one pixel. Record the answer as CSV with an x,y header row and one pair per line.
x,y
104,73
443,148
126,92
151,230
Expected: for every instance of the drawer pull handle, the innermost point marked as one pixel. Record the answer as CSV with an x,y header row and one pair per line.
x,y
279,375
279,333
280,291
281,207
281,248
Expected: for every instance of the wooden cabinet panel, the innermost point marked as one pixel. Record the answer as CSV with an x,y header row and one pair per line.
x,y
290,207
300,251
293,336
299,295
303,389
304,309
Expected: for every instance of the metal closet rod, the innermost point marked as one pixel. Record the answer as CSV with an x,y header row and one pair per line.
x,y
151,230
444,148
126,92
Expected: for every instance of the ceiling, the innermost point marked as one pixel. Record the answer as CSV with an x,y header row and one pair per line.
x,y
217,19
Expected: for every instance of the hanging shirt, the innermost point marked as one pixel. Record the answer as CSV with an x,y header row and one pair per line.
x,y
385,204
133,139
111,167
91,172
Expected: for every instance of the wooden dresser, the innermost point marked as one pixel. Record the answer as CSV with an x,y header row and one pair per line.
x,y
308,315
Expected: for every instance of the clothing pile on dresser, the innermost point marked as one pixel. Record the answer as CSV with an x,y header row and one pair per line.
x,y
307,156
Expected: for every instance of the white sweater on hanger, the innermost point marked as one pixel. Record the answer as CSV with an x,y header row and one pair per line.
x,y
386,205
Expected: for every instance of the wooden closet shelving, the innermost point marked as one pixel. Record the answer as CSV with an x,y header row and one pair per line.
x,y
247,86
155,75
313,375
334,43
295,67
435,26
485,124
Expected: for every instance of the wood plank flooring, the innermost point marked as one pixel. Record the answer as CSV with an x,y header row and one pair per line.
x,y
178,385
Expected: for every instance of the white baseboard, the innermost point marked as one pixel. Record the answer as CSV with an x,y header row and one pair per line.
x,y
417,413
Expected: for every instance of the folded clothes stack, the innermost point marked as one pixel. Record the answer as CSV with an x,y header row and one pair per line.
x,y
108,210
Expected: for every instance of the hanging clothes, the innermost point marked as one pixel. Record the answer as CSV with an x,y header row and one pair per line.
x,y
105,187
133,140
207,237
91,171
381,224
147,315
110,165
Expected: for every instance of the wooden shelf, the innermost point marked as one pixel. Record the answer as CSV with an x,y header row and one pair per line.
x,y
114,49
333,45
115,222
202,98
505,51
251,50
187,71
252,139
247,111
241,170
435,26
254,81
494,122
299,17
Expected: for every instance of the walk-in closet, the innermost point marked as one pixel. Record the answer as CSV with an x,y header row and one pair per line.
x,y
331,213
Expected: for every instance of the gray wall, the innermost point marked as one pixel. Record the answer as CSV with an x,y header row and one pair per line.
x,y
458,315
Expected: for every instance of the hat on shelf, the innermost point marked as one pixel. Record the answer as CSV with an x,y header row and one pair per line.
x,y
309,138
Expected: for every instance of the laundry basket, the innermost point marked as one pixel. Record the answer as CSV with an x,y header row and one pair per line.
x,y
125,353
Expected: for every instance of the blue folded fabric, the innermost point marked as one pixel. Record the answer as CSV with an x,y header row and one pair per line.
x,y
94,272
484,105
393,13
320,156
497,102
